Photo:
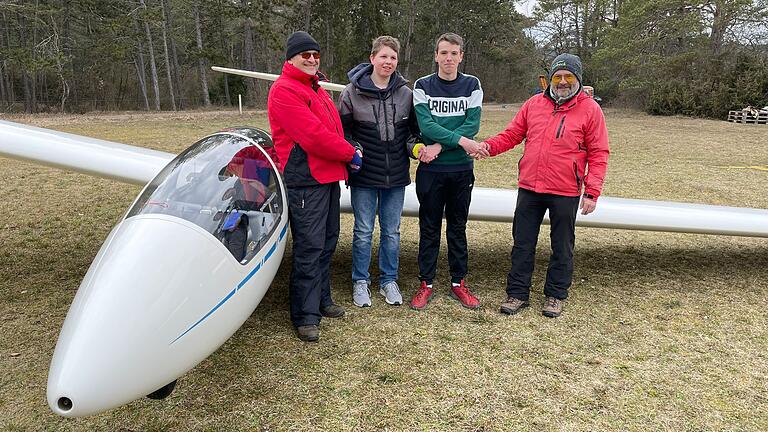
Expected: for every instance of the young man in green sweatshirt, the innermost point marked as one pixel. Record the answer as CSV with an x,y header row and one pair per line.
x,y
447,105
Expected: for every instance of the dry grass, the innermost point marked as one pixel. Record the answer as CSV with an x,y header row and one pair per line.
x,y
662,331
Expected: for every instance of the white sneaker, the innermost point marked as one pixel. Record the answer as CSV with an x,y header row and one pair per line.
x,y
391,293
361,295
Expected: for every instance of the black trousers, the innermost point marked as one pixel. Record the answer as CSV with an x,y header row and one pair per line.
x,y
525,229
438,193
314,218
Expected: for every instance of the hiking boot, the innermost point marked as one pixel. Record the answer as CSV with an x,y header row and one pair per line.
x,y
361,294
332,311
552,308
308,333
422,297
461,293
391,293
513,305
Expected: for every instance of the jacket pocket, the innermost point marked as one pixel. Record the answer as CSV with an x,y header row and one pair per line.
x,y
526,171
576,174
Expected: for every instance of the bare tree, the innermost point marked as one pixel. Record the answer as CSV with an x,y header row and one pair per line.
x,y
3,92
307,14
167,57
141,70
5,73
152,64
176,70
248,53
200,59
328,57
52,47
138,62
227,49
409,38
67,41
30,98
724,16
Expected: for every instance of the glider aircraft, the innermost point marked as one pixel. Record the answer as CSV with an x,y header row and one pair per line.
x,y
167,287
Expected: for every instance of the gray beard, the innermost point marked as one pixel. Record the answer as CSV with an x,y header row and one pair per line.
x,y
561,100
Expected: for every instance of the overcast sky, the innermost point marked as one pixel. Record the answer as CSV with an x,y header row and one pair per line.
x,y
525,7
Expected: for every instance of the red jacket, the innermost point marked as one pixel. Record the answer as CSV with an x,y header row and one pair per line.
x,y
301,112
560,142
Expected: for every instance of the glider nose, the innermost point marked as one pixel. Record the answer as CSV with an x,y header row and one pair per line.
x,y
154,276
64,404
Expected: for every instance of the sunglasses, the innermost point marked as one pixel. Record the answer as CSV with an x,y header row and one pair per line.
x,y
569,78
307,55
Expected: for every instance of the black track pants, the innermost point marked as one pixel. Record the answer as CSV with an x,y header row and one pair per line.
x,y
438,193
529,214
314,217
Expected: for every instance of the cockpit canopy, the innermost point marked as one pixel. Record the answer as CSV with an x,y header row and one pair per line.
x,y
225,184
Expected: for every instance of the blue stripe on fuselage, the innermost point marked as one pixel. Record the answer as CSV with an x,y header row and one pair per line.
x,y
271,251
239,285
231,293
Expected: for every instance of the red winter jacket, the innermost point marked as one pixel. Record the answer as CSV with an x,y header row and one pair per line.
x,y
560,142
306,129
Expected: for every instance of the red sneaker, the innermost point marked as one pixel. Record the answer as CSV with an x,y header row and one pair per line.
x,y
462,294
422,297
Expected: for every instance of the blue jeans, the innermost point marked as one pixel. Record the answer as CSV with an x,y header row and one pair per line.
x,y
388,203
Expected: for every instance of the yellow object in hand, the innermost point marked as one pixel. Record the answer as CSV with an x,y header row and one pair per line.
x,y
416,148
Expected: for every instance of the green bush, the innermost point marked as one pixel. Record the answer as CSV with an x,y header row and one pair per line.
x,y
707,86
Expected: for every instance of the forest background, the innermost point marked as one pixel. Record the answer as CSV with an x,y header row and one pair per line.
x,y
662,56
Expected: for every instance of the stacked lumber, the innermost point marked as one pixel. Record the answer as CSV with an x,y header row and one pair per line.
x,y
749,115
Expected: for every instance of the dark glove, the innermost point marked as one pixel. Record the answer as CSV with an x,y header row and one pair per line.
x,y
357,161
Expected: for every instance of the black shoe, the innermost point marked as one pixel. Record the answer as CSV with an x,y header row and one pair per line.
x,y
332,311
308,333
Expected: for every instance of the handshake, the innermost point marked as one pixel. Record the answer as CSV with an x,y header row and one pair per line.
x,y
428,153
478,150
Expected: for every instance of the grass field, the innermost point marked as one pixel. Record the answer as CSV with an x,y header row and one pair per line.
x,y
662,331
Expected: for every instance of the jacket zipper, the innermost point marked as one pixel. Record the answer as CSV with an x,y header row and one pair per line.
x,y
386,150
560,128
330,117
335,126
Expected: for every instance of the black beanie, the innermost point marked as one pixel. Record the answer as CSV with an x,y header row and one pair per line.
x,y
569,62
299,42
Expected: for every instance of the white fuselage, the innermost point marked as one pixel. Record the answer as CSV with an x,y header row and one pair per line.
x,y
161,295
166,289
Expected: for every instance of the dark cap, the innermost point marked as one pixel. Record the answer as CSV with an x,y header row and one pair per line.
x,y
299,42
569,62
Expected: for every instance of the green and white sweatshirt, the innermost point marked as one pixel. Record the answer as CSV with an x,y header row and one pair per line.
x,y
447,111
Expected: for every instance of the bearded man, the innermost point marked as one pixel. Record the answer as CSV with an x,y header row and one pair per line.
x,y
564,162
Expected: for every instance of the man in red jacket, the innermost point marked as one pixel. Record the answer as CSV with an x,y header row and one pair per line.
x,y
564,132
313,157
